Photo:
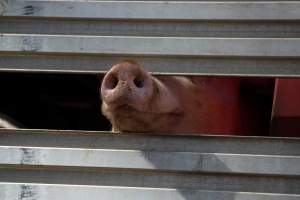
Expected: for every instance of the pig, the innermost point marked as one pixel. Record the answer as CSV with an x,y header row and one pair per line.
x,y
135,101
7,122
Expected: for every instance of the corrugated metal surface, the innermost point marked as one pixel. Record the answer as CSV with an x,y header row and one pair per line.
x,y
54,192
195,10
253,38
73,164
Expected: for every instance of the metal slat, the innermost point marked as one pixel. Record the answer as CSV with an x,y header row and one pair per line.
x,y
253,29
89,164
221,66
10,191
142,160
163,46
136,178
207,59
155,10
142,142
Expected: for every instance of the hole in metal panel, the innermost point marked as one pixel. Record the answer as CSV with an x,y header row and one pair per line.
x,y
72,101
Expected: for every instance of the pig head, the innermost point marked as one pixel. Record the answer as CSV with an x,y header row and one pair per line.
x,y
135,101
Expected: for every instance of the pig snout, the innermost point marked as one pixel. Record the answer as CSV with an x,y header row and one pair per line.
x,y
127,84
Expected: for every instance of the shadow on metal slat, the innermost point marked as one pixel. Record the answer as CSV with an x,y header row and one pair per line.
x,y
151,160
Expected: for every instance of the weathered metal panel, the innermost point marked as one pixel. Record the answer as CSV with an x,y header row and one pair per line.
x,y
163,46
220,66
129,160
151,160
156,28
224,41
155,10
138,178
144,142
9,191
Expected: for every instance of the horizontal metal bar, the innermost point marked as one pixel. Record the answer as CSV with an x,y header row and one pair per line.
x,y
162,161
9,191
151,28
109,177
221,66
142,142
163,46
155,10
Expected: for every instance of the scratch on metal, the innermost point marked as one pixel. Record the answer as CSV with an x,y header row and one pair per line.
x,y
3,6
31,43
28,192
29,156
31,9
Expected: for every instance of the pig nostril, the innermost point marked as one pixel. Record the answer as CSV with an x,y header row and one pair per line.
x,y
138,83
112,82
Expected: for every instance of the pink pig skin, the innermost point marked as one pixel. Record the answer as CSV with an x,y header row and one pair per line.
x,y
135,101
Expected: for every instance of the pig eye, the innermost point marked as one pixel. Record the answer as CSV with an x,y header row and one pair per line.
x,y
138,83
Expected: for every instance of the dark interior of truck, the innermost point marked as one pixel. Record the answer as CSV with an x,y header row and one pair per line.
x,y
72,101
